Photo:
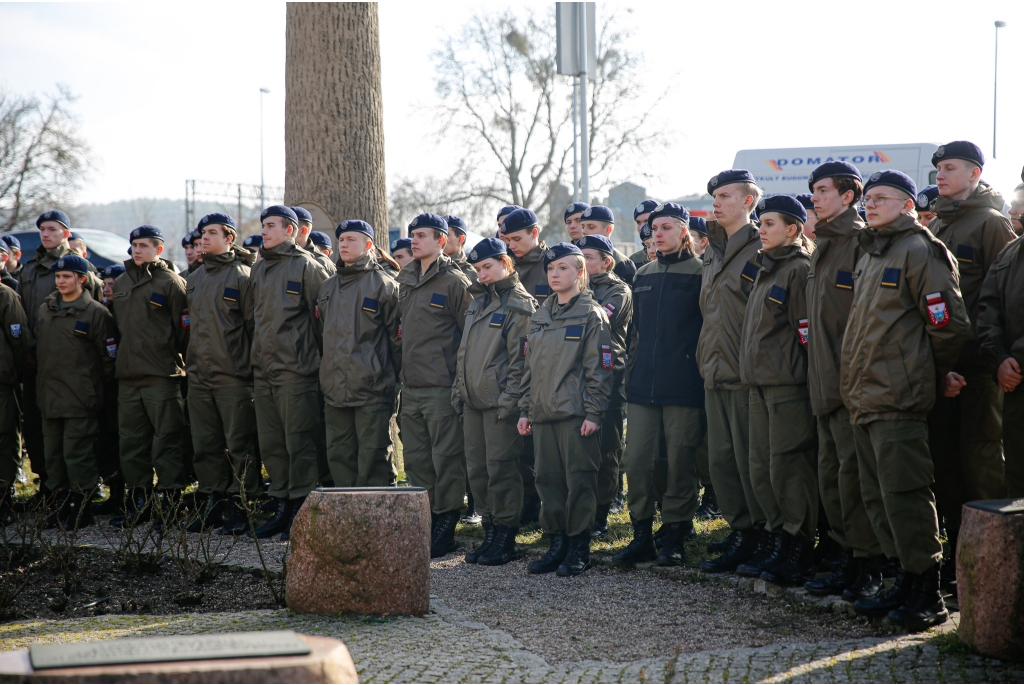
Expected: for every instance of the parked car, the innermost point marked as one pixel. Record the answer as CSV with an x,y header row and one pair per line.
x,y
104,248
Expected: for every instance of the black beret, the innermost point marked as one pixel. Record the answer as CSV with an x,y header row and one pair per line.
x,y
830,169
519,220
805,200
893,179
428,220
71,262
12,241
54,215
196,236
253,242
645,232
959,149
644,207
146,231
698,224
598,213
76,236
187,240
506,210
574,208
784,204
559,250
669,209
596,242
303,214
727,177
217,218
353,225
485,249
320,239
457,223
402,244
113,271
626,270
280,210
926,197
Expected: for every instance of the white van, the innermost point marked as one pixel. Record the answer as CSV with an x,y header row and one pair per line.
x,y
784,171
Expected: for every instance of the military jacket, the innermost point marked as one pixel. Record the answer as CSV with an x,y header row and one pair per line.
x,y
286,346
460,261
1001,309
321,259
76,347
532,273
774,341
491,359
16,339
975,231
151,312
433,310
616,299
829,298
10,281
640,258
730,268
359,322
220,310
907,324
569,362
36,280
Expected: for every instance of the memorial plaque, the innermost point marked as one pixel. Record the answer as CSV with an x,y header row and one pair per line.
x,y
271,643
1006,507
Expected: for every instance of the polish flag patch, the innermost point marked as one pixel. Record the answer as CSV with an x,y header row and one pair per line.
x,y
609,309
185,320
801,329
938,313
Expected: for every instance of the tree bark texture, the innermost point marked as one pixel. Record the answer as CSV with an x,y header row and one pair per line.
x,y
334,112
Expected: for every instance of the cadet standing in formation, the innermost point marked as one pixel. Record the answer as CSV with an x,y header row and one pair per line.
x,y
14,354
640,217
454,248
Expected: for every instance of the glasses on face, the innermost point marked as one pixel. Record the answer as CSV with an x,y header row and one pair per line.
x,y
877,200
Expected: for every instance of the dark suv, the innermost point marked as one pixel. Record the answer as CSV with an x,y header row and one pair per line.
x,y
104,248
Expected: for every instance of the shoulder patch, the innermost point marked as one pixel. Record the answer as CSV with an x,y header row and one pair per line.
x,y
891,278
964,254
186,321
82,327
438,300
231,294
801,330
369,305
15,330
541,290
844,280
573,332
112,348
938,313
777,294
497,320
293,287
607,363
749,272
158,300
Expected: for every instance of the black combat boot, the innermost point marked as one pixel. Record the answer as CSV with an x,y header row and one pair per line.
x,y
235,520
277,523
297,503
503,549
768,549
641,548
531,510
600,528
743,547
720,546
869,581
444,534
59,510
708,510
550,562
925,607
490,530
673,553
798,567
209,513
893,598
837,581
137,508
659,536
578,559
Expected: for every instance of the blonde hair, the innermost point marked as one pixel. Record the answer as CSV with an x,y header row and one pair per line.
x,y
751,189
581,266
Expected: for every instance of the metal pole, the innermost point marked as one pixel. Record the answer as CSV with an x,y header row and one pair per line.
x,y
575,142
584,139
263,199
240,205
995,87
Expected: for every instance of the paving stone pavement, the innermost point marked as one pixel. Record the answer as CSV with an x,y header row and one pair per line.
x,y
446,647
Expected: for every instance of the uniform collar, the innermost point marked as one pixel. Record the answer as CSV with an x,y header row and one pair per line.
x,y
534,255
411,275
360,266
53,301
675,257
983,197
877,240
48,257
215,262
279,252
769,259
845,225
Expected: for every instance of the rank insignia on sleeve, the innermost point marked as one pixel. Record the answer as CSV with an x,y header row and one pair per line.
x,y
777,294
938,314
185,320
801,329
606,357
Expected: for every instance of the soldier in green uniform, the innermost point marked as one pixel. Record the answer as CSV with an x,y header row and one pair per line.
x,y
362,361
708,508
730,268
573,219
565,391
836,189
286,365
455,248
220,399
773,363
599,220
75,346
965,430
616,299
488,373
640,214
303,241
502,213
401,252
925,198
253,243
5,276
433,301
321,242
14,265
907,326
192,253
14,350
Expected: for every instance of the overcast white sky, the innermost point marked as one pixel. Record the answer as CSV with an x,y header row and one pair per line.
x,y
171,91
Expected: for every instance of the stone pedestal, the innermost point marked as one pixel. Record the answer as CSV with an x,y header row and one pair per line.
x,y
990,578
328,661
361,551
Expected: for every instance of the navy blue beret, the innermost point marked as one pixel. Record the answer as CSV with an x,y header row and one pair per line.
x,y
626,270
303,214
598,213
927,196
146,231
645,232
253,242
4,247
830,169
71,262
486,248
669,209
187,240
893,179
428,220
784,204
320,239
698,224
217,218
805,200
12,242
574,208
402,244
286,213
559,250
727,177
54,215
457,223
506,210
197,236
644,207
596,242
76,236
353,225
518,220
113,271
959,149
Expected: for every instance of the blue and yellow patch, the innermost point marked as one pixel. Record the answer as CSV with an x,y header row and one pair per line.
x,y
844,280
293,287
965,254
371,305
231,294
497,320
891,278
82,327
158,300
438,300
777,294
750,271
573,332
541,290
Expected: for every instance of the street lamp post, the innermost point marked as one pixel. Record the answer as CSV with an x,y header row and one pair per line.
x,y
263,199
995,87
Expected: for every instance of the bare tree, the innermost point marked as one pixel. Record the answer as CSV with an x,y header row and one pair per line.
x,y
43,158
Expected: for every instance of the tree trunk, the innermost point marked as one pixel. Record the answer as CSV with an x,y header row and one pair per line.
x,y
334,113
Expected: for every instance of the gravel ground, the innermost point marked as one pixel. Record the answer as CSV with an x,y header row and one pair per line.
x,y
625,616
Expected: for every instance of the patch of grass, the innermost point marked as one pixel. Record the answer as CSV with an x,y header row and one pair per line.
x,y
950,644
